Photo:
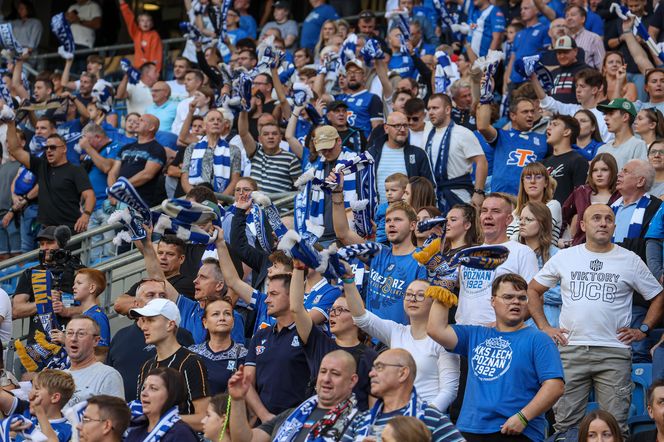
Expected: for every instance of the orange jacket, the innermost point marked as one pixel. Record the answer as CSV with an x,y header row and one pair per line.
x,y
147,45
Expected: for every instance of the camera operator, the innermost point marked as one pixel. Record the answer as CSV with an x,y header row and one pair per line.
x,y
62,265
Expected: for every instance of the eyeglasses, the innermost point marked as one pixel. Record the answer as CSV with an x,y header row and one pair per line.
x,y
536,177
336,311
380,366
656,152
509,297
418,297
86,420
398,126
80,334
52,146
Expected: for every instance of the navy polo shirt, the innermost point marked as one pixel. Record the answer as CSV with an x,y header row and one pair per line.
x,y
281,365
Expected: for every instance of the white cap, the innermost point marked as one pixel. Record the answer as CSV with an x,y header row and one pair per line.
x,y
159,306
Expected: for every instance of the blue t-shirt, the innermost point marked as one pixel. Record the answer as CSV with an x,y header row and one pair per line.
x,y
98,179
313,23
237,34
248,23
220,364
505,372
363,107
321,297
191,319
594,23
403,65
165,113
590,150
483,24
96,313
529,41
389,276
513,150
656,228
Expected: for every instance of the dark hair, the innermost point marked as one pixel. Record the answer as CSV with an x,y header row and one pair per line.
x,y
517,25
47,82
246,43
512,278
596,135
446,98
51,121
610,161
59,137
570,123
222,406
146,65
514,103
285,279
268,78
201,194
526,90
651,390
279,257
29,6
198,74
422,193
251,52
592,77
174,241
602,415
175,387
414,105
225,299
655,116
582,11
432,211
472,236
113,409
307,53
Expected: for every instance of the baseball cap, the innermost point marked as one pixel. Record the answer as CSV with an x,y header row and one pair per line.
x,y
618,103
326,137
367,14
564,43
336,104
356,62
156,307
47,233
282,5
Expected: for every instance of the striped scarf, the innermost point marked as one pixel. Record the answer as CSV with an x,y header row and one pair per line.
x,y
62,30
221,168
329,428
415,408
165,423
32,433
183,218
9,42
636,223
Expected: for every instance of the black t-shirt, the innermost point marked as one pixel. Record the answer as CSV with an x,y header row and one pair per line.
x,y
193,370
128,353
134,158
272,426
570,170
60,191
183,284
645,436
193,253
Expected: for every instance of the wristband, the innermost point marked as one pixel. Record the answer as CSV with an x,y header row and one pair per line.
x,y
299,267
522,418
348,280
87,212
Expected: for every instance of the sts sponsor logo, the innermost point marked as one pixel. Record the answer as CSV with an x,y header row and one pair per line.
x,y
521,157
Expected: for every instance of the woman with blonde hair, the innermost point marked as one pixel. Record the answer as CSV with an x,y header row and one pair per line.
x,y
327,31
405,429
536,185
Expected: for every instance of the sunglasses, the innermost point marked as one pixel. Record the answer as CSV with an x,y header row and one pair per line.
x,y
52,146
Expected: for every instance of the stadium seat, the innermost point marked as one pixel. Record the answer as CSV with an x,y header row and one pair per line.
x,y
639,420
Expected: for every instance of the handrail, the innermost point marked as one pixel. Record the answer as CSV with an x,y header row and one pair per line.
x,y
166,41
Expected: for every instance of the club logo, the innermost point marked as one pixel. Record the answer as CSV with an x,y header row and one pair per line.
x,y
596,265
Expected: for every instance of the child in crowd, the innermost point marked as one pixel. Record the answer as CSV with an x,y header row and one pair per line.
x,y
395,187
147,42
51,390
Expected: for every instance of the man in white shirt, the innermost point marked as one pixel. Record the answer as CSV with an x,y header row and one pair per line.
x,y
139,95
475,284
452,157
597,281
193,79
178,89
84,18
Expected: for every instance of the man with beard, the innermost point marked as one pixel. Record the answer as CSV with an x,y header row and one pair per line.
x,y
365,110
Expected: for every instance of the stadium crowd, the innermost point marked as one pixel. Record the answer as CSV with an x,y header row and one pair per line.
x,y
475,250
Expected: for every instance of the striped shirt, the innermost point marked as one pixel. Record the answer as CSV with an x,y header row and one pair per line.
x,y
275,173
593,46
193,372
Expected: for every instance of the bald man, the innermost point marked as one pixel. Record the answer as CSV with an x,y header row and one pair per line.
x,y
336,378
141,162
392,378
597,281
162,107
393,153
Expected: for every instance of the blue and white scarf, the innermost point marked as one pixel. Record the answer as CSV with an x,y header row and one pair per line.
x,y
183,218
329,428
447,20
191,32
74,416
62,30
638,28
530,65
9,42
636,223
365,250
372,51
131,217
443,73
32,433
348,48
221,165
415,408
259,225
364,212
133,74
489,65
271,212
225,7
166,422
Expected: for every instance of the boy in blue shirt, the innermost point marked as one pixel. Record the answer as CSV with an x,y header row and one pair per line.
x,y
395,187
51,390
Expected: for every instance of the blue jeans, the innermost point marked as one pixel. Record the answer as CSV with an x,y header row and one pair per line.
x,y
99,218
10,238
29,228
640,349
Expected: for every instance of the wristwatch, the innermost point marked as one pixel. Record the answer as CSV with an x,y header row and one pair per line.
x,y
645,329
479,192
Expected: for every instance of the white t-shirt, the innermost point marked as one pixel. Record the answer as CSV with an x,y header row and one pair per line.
x,y
391,161
178,91
6,313
475,284
417,138
437,379
82,34
96,379
138,97
181,114
463,145
597,292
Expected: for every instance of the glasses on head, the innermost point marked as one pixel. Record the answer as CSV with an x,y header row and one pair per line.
x,y
80,334
418,297
531,177
656,152
380,366
52,146
398,126
336,311
509,297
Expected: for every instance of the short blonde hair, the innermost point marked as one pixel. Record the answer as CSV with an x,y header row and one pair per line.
x,y
56,381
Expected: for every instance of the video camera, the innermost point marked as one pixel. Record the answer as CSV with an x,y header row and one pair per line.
x,y
59,257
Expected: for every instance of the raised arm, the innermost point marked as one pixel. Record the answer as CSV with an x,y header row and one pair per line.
x,y
243,130
382,73
439,328
231,277
291,139
638,54
303,322
281,94
483,119
13,146
239,387
17,80
341,228
353,298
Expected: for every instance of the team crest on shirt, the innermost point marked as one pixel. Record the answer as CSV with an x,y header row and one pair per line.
x,y
260,349
390,267
491,359
317,299
295,342
411,158
231,365
596,265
